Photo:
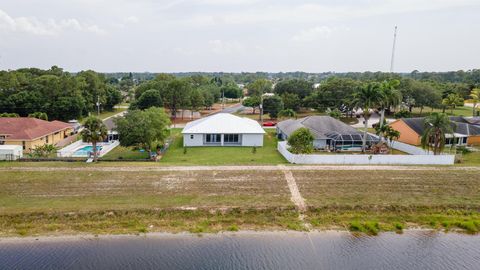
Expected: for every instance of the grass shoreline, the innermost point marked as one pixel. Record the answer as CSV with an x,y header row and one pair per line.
x,y
89,236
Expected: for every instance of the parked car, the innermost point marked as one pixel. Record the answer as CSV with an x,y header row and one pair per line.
x,y
75,125
269,124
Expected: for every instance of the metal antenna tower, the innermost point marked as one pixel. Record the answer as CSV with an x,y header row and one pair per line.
x,y
393,49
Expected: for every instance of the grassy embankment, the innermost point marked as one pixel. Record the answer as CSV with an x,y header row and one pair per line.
x,y
373,201
88,201
114,201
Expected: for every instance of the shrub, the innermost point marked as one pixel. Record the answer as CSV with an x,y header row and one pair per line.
x,y
301,141
287,113
356,226
402,114
468,226
233,228
372,227
398,227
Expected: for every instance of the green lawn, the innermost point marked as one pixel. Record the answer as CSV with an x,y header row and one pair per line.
x,y
267,154
126,153
459,111
472,158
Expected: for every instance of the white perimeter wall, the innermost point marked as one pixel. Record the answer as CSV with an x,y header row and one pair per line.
x,y
8,152
365,159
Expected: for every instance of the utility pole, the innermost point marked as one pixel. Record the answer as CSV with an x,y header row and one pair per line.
x,y
261,109
98,105
393,49
223,98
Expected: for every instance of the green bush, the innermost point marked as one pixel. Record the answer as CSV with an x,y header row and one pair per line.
x,y
233,228
301,141
402,114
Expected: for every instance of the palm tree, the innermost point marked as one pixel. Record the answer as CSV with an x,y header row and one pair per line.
x,y
391,97
451,101
367,97
437,125
475,96
94,131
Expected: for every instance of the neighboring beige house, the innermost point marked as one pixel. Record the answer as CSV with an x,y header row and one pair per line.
x,y
32,132
466,130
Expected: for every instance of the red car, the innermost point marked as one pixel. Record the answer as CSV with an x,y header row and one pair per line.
x,y
269,124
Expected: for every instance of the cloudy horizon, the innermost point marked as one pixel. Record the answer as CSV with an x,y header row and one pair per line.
x,y
239,35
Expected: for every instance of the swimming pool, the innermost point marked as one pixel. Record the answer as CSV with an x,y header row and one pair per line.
x,y
83,152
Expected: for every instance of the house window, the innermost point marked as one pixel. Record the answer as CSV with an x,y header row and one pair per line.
x,y
2,140
231,138
23,145
213,138
46,139
191,137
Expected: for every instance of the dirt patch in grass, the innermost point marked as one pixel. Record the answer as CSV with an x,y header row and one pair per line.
x,y
373,201
382,188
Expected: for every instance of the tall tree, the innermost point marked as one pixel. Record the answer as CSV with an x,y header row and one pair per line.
x,y
259,87
391,97
367,97
94,131
196,101
302,88
452,101
149,98
176,95
475,97
148,128
291,101
252,101
272,105
437,125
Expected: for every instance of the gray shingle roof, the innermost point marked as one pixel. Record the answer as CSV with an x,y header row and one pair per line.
x,y
322,127
460,125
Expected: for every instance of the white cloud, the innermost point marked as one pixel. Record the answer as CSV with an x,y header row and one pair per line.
x,y
132,19
225,47
312,34
33,25
320,12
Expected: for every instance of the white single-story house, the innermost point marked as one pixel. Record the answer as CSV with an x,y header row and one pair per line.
x,y
223,129
11,152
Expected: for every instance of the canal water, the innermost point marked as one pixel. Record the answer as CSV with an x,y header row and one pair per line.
x,y
276,250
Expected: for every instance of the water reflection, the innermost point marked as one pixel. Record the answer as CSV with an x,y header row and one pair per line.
x,y
327,250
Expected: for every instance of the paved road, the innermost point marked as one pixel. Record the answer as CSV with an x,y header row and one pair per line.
x,y
232,109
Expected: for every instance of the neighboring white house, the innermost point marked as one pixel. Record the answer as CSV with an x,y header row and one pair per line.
x,y
11,152
223,129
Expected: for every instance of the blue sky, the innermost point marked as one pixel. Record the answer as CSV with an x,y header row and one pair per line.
x,y
239,35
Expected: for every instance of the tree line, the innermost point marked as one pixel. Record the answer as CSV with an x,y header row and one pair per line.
x,y
182,93
60,95
338,93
